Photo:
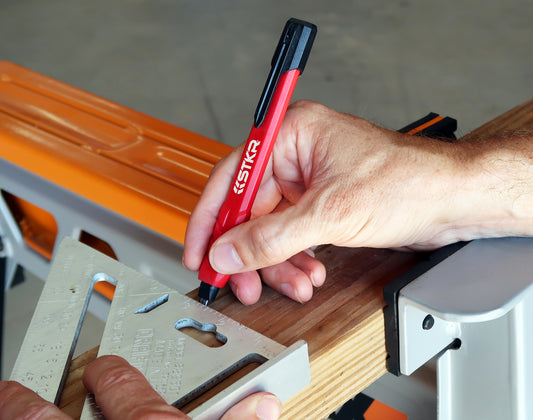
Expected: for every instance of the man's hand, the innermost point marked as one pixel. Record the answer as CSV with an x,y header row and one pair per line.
x,y
122,393
337,179
333,178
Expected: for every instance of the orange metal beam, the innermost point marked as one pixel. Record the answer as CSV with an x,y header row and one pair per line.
x,y
142,168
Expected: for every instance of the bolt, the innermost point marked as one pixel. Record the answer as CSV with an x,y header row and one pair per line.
x,y
428,322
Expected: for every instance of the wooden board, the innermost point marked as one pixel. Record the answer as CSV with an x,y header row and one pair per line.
x,y
343,324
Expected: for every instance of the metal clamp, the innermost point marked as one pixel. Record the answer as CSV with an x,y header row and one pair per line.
x,y
474,311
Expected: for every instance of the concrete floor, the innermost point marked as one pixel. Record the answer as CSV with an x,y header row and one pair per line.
x,y
201,64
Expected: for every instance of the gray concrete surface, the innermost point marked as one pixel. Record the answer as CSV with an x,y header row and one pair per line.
x,y
202,64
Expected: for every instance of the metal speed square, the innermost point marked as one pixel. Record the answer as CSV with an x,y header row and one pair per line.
x,y
143,326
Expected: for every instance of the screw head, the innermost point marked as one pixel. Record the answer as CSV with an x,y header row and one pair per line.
x,y
428,322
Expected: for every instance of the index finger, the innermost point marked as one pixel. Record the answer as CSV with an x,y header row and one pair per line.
x,y
19,402
122,392
204,215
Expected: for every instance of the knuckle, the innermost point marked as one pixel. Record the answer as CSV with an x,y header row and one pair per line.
x,y
307,105
304,111
37,411
115,377
11,387
24,404
264,247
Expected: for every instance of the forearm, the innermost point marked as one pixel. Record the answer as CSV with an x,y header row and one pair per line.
x,y
495,189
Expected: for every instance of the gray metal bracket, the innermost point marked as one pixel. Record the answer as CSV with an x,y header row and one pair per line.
x,y
143,326
474,311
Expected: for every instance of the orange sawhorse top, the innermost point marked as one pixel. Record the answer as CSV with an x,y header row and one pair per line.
x,y
142,168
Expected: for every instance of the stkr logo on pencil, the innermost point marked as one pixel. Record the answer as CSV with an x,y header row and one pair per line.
x,y
246,166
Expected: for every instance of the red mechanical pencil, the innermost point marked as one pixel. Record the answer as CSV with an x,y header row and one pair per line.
x,y
288,63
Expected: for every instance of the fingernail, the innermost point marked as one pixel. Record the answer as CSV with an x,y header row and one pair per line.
x,y
235,290
310,252
225,259
269,408
313,281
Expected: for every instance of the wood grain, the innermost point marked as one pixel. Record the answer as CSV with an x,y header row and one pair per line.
x,y
74,392
343,323
516,121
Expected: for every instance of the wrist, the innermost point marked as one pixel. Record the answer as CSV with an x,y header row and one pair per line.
x,y
494,191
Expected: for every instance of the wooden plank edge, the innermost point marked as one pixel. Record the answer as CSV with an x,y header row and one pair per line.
x,y
342,372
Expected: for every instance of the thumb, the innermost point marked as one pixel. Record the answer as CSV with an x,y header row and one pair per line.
x,y
268,240
260,406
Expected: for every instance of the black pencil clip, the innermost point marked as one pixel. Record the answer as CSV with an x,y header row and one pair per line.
x,y
291,53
